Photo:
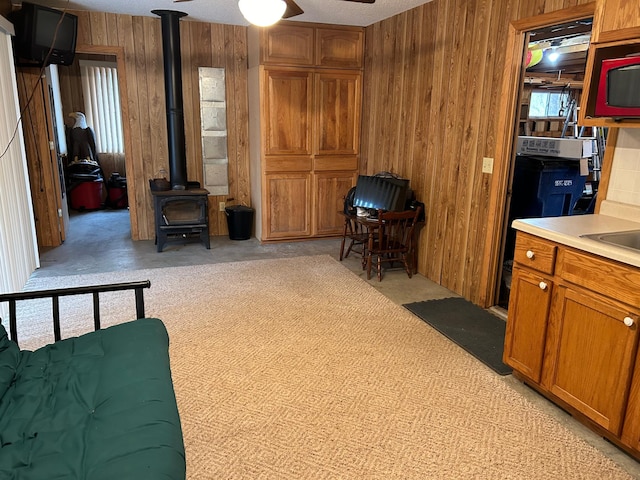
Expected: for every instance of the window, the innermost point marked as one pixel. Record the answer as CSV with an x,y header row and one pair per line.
x,y
102,104
548,103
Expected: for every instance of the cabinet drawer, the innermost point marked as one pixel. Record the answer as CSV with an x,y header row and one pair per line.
x,y
535,253
335,163
292,163
620,282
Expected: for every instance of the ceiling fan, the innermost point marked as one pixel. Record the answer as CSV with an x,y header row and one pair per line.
x,y
293,9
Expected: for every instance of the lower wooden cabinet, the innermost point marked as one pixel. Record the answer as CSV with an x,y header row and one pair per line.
x,y
529,304
631,428
330,190
591,355
575,343
288,211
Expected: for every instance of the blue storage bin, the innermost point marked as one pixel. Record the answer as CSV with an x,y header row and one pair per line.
x,y
545,187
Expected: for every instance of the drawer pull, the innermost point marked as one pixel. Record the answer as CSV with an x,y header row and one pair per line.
x,y
543,285
530,254
628,321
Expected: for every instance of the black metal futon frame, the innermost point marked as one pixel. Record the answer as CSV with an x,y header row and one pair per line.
x,y
55,294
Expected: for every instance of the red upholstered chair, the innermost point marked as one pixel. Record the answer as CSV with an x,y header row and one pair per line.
x,y
393,240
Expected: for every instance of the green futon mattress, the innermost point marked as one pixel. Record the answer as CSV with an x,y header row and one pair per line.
x,y
97,407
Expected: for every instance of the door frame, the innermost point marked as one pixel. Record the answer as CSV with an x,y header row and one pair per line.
x,y
119,54
511,92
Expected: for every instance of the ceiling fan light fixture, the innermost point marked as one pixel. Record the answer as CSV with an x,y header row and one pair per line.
x,y
262,13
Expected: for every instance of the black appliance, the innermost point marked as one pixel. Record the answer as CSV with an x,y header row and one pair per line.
x,y
183,210
36,28
381,192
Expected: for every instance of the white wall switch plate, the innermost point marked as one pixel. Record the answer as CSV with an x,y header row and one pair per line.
x,y
487,165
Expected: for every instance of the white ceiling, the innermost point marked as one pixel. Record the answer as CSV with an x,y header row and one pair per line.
x,y
226,11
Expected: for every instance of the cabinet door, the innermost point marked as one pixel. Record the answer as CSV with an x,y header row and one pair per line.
x,y
529,304
631,428
338,101
331,188
288,104
288,45
339,48
590,355
288,212
613,17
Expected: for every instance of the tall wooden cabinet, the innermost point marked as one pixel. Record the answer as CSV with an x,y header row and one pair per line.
x,y
305,114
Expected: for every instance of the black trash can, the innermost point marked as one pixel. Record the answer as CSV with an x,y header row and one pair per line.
x,y
239,221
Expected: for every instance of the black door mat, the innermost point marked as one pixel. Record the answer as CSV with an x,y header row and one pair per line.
x,y
477,331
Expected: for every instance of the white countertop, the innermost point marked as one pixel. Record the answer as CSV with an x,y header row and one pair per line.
x,y
568,231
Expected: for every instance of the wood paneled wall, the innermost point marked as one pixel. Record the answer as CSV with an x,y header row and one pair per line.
x,y
433,78
202,45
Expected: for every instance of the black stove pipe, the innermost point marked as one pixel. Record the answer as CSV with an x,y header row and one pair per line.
x,y
173,93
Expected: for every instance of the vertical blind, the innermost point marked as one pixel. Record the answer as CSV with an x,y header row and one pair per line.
x,y
18,242
102,104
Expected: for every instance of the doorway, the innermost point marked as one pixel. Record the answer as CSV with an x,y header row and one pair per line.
x,y
552,67
91,86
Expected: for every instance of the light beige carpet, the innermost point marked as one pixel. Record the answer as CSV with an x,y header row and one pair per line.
x,y
298,369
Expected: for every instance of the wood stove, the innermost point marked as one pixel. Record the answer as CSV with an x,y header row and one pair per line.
x,y
182,211
180,214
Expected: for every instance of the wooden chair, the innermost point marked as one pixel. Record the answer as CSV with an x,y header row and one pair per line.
x,y
356,234
393,240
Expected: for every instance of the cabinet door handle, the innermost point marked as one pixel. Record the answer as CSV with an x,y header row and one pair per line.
x,y
543,285
530,254
628,321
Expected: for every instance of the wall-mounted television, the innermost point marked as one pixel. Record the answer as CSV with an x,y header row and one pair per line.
x,y
44,36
